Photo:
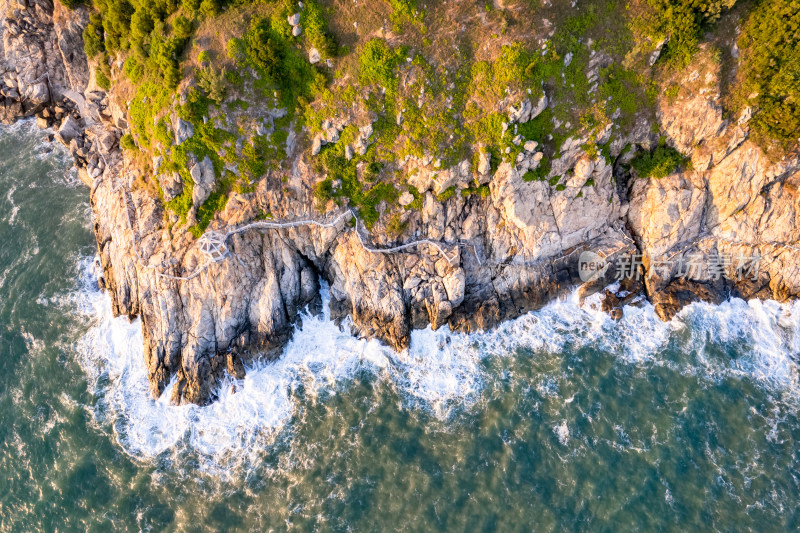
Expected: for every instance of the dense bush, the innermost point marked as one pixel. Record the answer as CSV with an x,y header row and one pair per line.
x,y
205,213
102,80
133,69
316,29
679,21
770,72
213,83
191,6
406,12
659,163
210,8
127,143
116,16
93,36
279,64
377,63
164,52
265,49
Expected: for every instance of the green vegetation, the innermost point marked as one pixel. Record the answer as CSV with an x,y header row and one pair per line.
x,y
421,103
315,27
769,77
128,144
102,80
481,190
205,213
267,66
395,226
377,63
213,82
133,69
278,64
680,22
540,173
406,12
659,163
446,194
93,36
343,183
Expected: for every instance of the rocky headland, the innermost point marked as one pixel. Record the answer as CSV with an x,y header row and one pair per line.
x,y
486,243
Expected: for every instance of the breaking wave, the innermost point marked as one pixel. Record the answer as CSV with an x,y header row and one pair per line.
x,y
442,373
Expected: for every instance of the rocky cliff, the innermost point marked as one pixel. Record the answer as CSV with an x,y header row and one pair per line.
x,y
467,261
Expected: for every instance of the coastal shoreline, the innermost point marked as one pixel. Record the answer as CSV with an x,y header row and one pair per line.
x,y
513,251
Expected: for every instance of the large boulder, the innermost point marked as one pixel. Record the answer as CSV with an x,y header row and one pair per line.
x,y
70,129
183,131
203,175
172,185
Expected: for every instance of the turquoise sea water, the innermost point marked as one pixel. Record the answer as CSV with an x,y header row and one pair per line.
x,y
562,420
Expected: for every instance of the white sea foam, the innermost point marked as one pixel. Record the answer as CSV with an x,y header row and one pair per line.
x,y
250,413
562,432
441,372
14,207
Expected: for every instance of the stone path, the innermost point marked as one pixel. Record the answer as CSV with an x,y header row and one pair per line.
x,y
214,247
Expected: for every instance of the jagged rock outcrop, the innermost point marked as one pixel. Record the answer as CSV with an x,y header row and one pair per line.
x,y
734,204
497,256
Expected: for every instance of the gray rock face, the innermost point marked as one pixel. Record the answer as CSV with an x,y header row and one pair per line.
x,y
183,131
500,256
484,163
70,129
172,185
204,180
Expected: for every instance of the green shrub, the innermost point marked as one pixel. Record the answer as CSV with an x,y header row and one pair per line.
x,y
446,194
210,8
164,52
205,213
323,191
770,70
212,81
406,11
102,80
659,163
236,49
679,21
182,27
163,133
361,195
191,6
483,191
539,173
316,29
141,26
133,69
93,36
128,144
377,63
265,50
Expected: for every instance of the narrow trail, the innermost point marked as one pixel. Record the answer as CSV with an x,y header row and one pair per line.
x,y
214,245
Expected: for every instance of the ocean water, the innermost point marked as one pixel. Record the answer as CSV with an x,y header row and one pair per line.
x,y
562,420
